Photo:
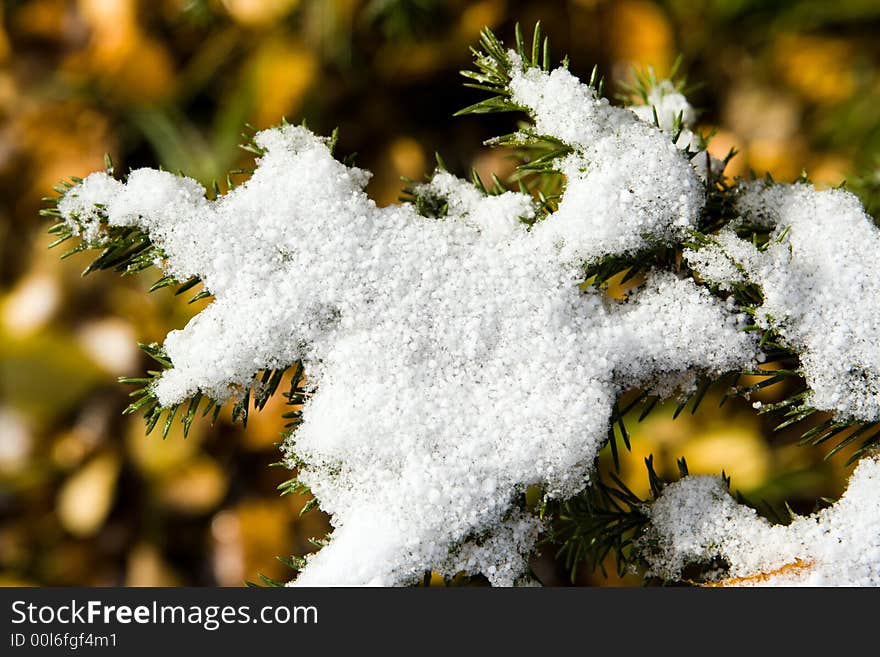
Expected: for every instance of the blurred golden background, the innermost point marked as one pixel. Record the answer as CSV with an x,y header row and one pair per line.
x,y
85,497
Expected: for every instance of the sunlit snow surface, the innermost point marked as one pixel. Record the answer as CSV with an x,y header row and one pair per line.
x,y
819,278
696,520
455,360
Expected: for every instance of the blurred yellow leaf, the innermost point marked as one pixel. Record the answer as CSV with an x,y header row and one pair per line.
x,y
248,538
155,456
61,139
407,158
112,21
767,393
264,427
198,486
69,449
110,342
659,436
258,13
132,66
782,158
820,68
719,147
47,19
30,304
708,441
477,15
146,567
756,111
16,440
86,497
4,39
499,161
45,375
829,170
281,73
640,35
74,444
411,60
736,449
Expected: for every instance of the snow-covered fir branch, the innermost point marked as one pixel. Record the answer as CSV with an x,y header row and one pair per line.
x,y
456,359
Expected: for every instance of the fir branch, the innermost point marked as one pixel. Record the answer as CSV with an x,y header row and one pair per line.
x,y
267,582
603,520
606,517
537,153
124,249
658,256
644,80
494,71
296,397
264,385
426,201
792,409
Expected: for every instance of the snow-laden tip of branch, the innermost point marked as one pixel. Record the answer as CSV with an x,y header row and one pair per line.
x,y
820,280
696,520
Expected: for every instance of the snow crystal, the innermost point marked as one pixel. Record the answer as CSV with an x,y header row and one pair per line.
x,y
819,278
456,360
696,520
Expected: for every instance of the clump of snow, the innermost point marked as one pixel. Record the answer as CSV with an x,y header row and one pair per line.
x,y
627,185
455,360
819,277
498,217
513,539
670,105
696,520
